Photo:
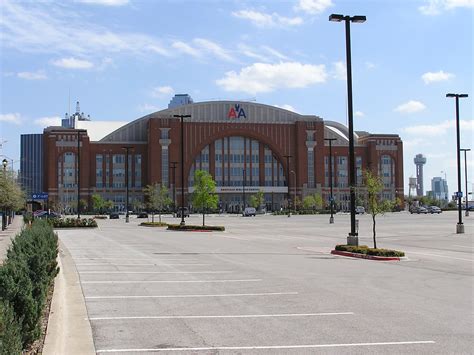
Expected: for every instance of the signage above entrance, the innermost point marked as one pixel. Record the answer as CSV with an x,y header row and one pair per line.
x,y
236,112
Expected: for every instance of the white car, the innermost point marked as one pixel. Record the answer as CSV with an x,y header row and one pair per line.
x,y
249,211
360,210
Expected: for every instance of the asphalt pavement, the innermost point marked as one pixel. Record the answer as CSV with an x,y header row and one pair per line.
x,y
269,285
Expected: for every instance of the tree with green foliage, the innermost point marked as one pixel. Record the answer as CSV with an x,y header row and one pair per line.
x,y
314,201
157,199
257,200
108,205
375,205
98,203
204,195
12,198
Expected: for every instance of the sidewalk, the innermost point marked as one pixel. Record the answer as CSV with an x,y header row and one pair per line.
x,y
5,236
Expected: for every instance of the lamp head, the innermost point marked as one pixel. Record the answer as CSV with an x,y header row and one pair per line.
x,y
4,163
358,19
336,17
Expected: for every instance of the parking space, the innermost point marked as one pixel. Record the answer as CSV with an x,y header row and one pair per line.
x,y
269,285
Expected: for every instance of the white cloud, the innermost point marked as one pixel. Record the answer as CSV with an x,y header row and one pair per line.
x,y
14,118
370,65
73,63
39,75
287,107
148,108
251,53
436,7
261,19
213,48
440,128
410,107
339,70
186,48
359,114
105,2
275,53
431,77
313,7
262,77
162,91
48,121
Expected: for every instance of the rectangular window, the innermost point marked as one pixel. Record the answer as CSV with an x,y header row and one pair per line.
x,y
310,168
138,170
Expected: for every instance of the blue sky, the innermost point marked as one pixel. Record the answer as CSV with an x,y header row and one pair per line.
x,y
123,59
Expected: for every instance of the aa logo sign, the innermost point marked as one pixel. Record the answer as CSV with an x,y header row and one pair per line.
x,y
236,112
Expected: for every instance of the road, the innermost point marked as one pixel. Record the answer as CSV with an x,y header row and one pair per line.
x,y
268,285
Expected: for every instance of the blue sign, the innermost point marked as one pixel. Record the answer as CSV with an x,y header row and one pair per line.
x,y
39,196
458,194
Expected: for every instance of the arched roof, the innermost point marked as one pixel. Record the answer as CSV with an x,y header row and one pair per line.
x,y
211,111
337,130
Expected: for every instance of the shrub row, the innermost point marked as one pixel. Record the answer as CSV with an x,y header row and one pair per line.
x,y
177,227
154,224
25,278
72,222
100,217
364,249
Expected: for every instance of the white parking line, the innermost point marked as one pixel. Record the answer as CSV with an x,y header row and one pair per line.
x,y
166,281
157,264
230,316
462,246
155,272
314,346
439,256
127,259
193,296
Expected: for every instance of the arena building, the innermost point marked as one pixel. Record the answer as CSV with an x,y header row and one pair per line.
x,y
246,146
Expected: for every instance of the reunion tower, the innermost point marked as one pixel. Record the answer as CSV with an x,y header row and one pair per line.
x,y
419,160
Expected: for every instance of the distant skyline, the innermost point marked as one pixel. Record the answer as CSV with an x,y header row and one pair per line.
x,y
123,59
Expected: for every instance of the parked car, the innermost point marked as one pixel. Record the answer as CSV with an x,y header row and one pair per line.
x,y
434,209
418,210
249,211
142,215
180,210
114,215
360,210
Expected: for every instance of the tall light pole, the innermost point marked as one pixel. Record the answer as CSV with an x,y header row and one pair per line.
x,y
459,226
244,181
288,183
182,117
352,239
127,150
4,212
465,178
331,199
78,174
294,196
173,169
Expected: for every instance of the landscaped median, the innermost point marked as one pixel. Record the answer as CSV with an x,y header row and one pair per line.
x,y
364,252
26,279
153,224
193,228
72,222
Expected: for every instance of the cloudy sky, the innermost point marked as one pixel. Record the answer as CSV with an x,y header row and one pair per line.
x,y
123,59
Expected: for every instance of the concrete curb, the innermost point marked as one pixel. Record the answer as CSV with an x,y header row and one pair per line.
x,y
364,256
69,330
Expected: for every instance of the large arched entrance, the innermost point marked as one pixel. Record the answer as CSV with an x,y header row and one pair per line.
x,y
242,166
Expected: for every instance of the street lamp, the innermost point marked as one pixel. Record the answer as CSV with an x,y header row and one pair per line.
x,y
182,117
352,239
127,150
294,196
4,220
288,183
331,200
78,174
173,169
465,178
244,178
459,226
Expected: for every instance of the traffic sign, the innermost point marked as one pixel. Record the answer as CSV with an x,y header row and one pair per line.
x,y
458,194
39,196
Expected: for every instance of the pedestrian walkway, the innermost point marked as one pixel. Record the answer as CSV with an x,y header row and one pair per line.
x,y
10,232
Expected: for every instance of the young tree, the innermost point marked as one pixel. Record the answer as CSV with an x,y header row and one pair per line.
x,y
98,203
375,204
108,205
204,195
314,201
257,200
157,199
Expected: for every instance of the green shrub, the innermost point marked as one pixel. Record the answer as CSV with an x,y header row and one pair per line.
x,y
100,217
177,227
25,277
154,224
10,331
364,249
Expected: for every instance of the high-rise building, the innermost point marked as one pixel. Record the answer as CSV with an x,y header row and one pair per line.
x,y
70,121
179,100
31,164
439,188
419,160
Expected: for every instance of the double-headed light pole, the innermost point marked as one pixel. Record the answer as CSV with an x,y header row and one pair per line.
x,y
182,117
288,183
465,180
127,152
331,198
352,239
173,169
460,225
